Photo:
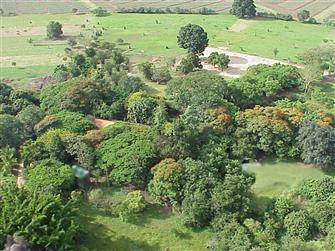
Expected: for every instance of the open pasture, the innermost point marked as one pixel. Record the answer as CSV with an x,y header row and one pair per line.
x,y
41,6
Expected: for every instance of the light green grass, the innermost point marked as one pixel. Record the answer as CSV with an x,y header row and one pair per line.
x,y
25,72
148,38
18,46
44,19
154,89
273,178
154,230
22,76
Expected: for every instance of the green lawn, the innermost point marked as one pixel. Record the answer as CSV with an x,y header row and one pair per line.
x,y
273,178
154,230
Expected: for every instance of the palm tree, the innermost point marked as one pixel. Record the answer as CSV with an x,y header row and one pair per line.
x,y
7,160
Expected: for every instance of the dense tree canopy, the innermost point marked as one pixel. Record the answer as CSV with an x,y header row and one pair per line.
x,y
317,145
128,153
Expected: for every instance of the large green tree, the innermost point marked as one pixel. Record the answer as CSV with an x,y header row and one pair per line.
x,y
54,30
317,145
193,38
12,131
128,153
243,8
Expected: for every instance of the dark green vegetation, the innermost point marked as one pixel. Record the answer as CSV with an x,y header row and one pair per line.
x,y
166,173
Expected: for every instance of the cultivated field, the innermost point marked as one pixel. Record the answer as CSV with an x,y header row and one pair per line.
x,y
41,6
316,7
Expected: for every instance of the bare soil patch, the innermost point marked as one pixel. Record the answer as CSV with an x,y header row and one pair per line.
x,y
241,25
102,123
237,60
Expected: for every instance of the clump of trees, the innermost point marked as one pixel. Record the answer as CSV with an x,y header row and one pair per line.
x,y
219,60
161,75
100,12
304,16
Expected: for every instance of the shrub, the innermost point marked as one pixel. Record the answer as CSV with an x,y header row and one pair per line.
x,y
49,176
132,205
161,75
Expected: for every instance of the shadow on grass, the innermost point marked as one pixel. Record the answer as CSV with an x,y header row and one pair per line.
x,y
98,237
152,212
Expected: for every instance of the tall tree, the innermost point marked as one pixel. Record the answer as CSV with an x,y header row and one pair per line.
x,y
193,38
54,30
317,145
243,8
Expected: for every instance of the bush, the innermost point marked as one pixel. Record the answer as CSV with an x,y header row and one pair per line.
x,y
298,225
161,75
147,69
132,205
49,176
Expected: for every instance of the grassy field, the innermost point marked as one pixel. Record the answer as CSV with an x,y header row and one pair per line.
x,y
273,178
152,38
154,230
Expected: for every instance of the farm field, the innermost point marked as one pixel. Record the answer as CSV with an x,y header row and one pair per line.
x,y
316,7
148,40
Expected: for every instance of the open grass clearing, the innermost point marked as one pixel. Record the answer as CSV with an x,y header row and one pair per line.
x,y
273,178
154,230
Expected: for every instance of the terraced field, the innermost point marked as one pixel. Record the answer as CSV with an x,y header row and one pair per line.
x,y
41,6
283,6
316,7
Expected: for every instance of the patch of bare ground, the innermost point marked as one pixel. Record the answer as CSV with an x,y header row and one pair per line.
x,y
102,123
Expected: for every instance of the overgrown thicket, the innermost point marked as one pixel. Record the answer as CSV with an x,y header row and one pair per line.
x,y
185,149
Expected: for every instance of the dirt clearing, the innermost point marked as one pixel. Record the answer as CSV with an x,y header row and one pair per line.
x,y
241,25
239,62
